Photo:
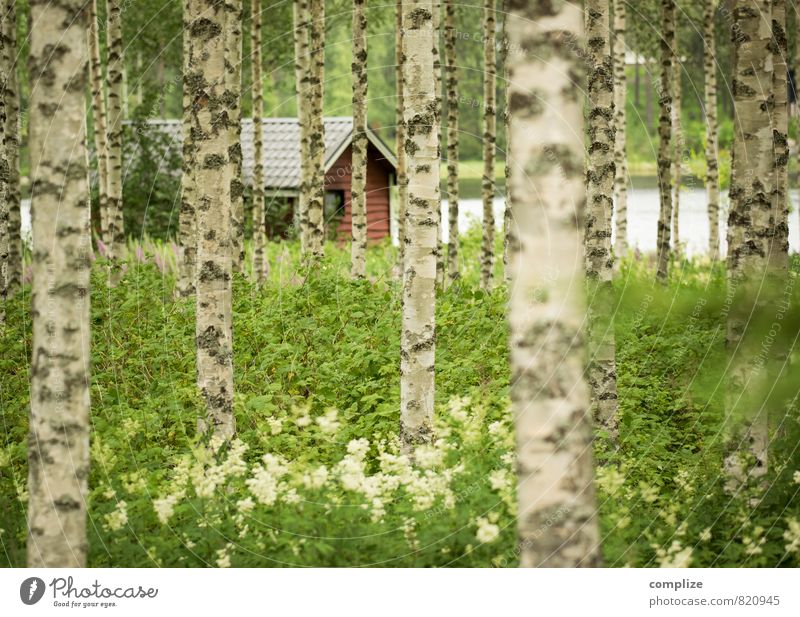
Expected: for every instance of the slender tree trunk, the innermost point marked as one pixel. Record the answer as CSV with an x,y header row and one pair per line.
x,y
358,197
116,230
779,257
5,231
207,81
637,86
549,395
508,227
58,441
620,120
11,142
750,219
233,75
187,218
712,165
417,342
302,63
677,136
665,150
451,83
259,234
489,139
139,79
648,98
437,72
797,88
599,206
99,117
402,177
316,198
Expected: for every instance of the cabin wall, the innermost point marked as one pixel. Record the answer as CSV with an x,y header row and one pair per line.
x,y
379,175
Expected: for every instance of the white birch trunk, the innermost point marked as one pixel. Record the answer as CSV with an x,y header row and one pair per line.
x,y
549,394
358,197
417,341
58,445
207,79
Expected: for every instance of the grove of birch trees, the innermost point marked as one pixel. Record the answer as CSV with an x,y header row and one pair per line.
x,y
510,315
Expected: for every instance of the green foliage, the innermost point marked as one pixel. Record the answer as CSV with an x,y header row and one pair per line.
x,y
315,477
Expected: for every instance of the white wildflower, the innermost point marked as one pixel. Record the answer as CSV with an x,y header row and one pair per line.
x,y
427,456
117,519
500,480
275,425
457,406
265,480
674,557
245,505
705,535
223,557
649,493
487,531
796,477
328,422
358,448
303,421
496,429
792,536
610,480
290,495
165,507
317,478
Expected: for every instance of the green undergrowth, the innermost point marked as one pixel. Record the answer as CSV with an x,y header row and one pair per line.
x,y
315,477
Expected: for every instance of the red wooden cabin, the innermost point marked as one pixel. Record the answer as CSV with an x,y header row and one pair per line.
x,y
282,171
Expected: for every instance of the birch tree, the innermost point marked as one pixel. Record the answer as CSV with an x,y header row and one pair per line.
x,y
187,217
508,228
549,395
209,104
402,177
667,45
316,144
233,85
358,198
11,143
600,204
437,73
677,137
451,85
302,75
779,255
750,219
712,146
58,442
5,240
417,341
489,139
259,234
620,128
115,240
99,118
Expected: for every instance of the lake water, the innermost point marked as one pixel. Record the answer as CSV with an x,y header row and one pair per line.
x,y
642,217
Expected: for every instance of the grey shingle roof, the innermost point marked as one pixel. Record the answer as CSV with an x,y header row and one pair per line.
x,y
281,147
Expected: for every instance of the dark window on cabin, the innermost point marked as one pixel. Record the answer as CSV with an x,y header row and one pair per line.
x,y
334,211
